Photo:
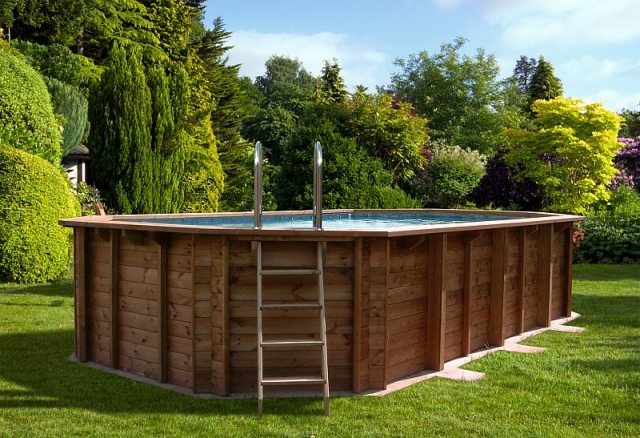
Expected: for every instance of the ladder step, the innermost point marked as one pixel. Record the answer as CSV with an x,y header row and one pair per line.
x,y
293,343
292,306
298,380
290,272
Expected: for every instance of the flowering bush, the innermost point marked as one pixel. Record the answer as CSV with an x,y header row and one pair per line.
x,y
628,163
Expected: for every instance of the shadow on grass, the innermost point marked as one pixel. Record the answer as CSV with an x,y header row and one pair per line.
x,y
603,272
60,288
38,363
609,310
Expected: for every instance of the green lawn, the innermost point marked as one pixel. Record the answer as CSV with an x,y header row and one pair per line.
x,y
584,384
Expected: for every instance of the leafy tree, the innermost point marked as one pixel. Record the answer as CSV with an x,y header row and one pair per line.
x,y
285,91
352,178
27,120
389,130
460,96
331,88
631,123
544,84
569,152
286,83
502,187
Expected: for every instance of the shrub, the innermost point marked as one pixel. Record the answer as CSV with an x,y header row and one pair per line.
x,y
500,187
34,196
450,175
70,103
88,197
59,62
612,231
27,121
628,162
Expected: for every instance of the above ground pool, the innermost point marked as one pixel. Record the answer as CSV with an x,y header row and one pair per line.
x,y
173,297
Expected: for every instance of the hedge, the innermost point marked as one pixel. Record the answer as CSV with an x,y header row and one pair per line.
x,y
34,196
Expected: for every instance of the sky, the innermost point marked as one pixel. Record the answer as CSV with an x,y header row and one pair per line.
x,y
593,45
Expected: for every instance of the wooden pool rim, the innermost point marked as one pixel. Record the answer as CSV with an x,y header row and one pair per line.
x,y
176,303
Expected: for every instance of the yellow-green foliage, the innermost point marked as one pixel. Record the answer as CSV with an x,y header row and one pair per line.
x,y
34,196
569,152
27,120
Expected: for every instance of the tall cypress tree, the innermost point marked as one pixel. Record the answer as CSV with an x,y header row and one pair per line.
x,y
544,84
120,137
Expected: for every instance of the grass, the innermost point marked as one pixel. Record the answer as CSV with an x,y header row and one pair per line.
x,y
584,384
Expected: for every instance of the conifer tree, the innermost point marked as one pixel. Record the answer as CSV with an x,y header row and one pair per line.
x,y
544,84
120,137
331,88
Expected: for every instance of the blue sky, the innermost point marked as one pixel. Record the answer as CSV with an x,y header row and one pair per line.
x,y
594,45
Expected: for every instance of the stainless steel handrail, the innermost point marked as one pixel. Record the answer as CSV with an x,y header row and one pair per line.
x,y
317,186
257,186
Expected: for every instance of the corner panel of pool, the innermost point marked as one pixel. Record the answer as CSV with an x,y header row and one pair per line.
x,y
181,307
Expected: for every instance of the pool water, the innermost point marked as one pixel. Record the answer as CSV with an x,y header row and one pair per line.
x,y
330,221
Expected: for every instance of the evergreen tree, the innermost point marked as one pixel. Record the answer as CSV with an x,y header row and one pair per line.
x,y
331,88
120,139
544,84
523,72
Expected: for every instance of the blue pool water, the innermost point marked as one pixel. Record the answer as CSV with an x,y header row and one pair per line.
x,y
331,221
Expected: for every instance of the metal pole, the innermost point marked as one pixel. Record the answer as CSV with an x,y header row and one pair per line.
x,y
317,186
257,186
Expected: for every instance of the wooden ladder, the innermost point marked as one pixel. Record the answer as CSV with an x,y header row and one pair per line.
x,y
321,343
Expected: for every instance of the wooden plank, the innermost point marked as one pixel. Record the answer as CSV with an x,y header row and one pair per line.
x,y
500,250
357,309
115,302
437,302
546,272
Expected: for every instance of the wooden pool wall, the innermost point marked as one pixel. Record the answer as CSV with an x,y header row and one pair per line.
x,y
180,307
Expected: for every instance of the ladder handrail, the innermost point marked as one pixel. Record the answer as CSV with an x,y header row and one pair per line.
x,y
317,186
257,186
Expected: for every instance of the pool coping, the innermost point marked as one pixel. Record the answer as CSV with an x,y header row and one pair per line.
x,y
519,218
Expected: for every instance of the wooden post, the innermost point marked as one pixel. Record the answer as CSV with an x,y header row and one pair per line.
x,y
498,272
81,277
225,315
437,302
568,271
386,312
546,275
114,242
466,300
357,310
522,237
164,304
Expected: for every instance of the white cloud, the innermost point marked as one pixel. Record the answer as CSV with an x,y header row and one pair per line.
x,y
614,99
564,22
589,68
360,64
